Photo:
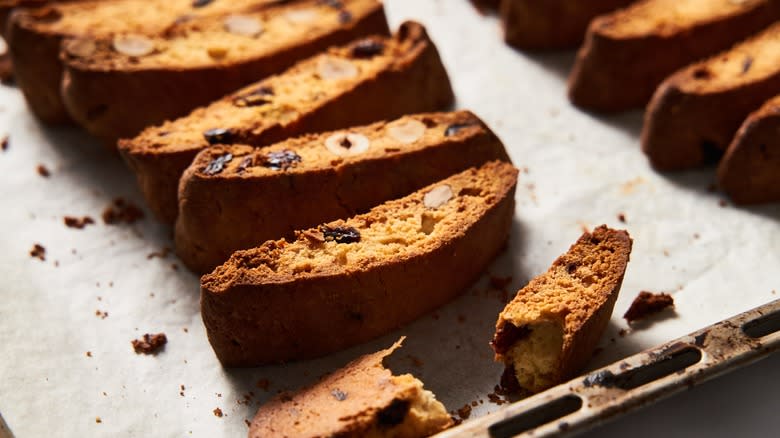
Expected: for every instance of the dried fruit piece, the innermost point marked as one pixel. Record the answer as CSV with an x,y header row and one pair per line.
x,y
244,25
217,164
257,97
438,196
218,135
367,48
406,132
281,160
80,47
347,144
341,234
331,68
217,52
200,3
133,45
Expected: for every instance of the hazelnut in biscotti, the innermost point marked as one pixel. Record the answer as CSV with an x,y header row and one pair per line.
x,y
362,399
349,281
127,82
374,78
695,113
551,24
750,170
629,52
317,178
548,332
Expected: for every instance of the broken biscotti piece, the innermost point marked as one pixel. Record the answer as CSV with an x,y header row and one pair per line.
x,y
349,281
548,332
551,24
371,79
115,90
627,53
268,193
35,33
696,112
750,170
363,399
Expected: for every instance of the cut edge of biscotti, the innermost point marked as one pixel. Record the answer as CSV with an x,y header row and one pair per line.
x,y
551,327
417,149
750,170
740,79
364,398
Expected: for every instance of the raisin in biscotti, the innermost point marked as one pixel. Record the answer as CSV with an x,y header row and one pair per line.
x,y
116,93
349,281
750,170
35,34
362,399
317,178
371,79
694,114
548,332
551,24
627,53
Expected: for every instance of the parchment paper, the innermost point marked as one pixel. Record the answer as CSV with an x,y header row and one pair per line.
x,y
578,171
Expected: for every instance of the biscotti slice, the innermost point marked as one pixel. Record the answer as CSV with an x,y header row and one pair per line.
x,y
695,113
548,332
349,281
551,24
750,170
317,178
363,399
34,37
374,78
116,93
629,52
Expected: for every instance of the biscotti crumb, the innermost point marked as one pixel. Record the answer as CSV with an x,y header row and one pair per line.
x,y
89,354
43,171
622,217
464,412
101,314
4,143
38,251
122,211
218,412
150,343
78,223
98,420
648,303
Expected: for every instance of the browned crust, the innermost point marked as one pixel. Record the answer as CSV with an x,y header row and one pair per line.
x,y
617,74
750,170
251,324
551,24
113,104
420,83
206,236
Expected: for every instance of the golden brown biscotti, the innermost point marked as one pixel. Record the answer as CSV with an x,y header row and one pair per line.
x,y
375,78
750,170
349,281
548,332
317,178
35,34
362,399
695,112
551,24
115,95
629,52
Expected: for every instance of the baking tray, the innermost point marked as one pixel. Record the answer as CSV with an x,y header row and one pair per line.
x,y
577,171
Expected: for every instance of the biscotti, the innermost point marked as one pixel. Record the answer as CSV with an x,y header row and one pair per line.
x,y
551,24
362,399
115,93
750,170
694,114
371,79
317,178
349,281
548,332
627,53
35,34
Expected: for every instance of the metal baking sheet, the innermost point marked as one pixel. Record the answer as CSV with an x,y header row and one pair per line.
x,y
66,323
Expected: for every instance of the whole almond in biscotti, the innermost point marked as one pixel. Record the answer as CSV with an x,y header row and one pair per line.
x,y
118,90
308,184
695,113
750,170
628,53
36,31
549,331
393,76
348,281
551,24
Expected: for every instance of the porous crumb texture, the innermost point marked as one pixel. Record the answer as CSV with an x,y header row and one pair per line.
x,y
362,399
351,280
617,68
750,170
549,330
370,79
695,113
225,193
